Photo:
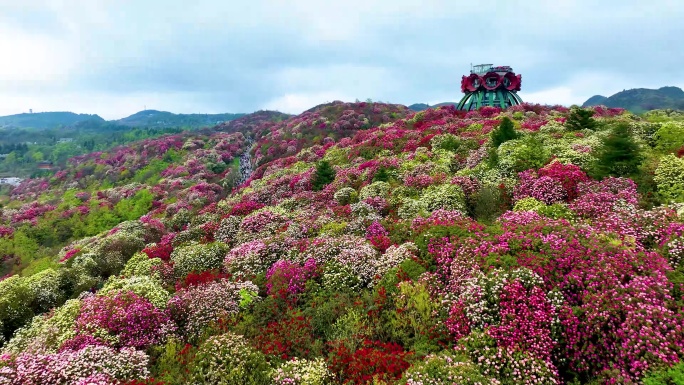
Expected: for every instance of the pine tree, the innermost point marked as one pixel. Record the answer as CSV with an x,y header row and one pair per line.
x,y
323,175
580,119
381,175
620,155
504,132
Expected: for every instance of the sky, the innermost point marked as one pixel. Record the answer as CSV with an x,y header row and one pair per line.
x,y
117,57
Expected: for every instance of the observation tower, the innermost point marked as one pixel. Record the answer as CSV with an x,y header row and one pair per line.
x,y
490,86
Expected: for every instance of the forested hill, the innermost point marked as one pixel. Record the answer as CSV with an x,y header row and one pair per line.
x,y
639,100
153,118
46,120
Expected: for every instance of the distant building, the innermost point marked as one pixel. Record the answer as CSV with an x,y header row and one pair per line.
x,y
45,165
3,156
65,140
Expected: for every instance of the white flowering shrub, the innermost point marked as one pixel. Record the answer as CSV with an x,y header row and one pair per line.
x,y
144,286
393,256
411,208
260,224
229,359
445,368
45,286
375,189
196,307
198,257
345,195
302,372
46,332
352,256
249,259
141,265
228,229
445,196
669,177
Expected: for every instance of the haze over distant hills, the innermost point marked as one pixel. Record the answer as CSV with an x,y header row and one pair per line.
x,y
640,100
142,119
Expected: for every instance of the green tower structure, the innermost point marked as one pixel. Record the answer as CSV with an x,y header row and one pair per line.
x,y
490,86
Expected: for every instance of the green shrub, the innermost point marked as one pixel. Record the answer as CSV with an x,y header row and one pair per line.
x,y
323,176
620,155
670,136
346,195
445,368
198,257
528,204
375,189
445,196
522,154
669,178
580,119
144,286
229,359
504,132
666,376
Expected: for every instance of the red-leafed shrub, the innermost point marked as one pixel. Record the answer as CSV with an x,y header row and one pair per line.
x,y
245,208
290,337
161,251
383,360
195,279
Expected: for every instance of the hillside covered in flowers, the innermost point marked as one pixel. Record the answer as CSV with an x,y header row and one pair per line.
x,y
356,243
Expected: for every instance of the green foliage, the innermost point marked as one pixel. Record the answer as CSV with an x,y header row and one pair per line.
x,y
445,368
620,154
134,207
523,154
669,177
528,204
444,196
666,376
145,287
413,323
504,132
375,189
670,137
140,265
346,195
198,257
15,310
381,175
323,176
489,203
171,362
580,119
229,359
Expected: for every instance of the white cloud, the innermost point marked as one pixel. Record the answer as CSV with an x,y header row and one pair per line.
x,y
297,103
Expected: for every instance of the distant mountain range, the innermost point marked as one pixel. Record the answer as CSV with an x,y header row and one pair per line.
x,y
423,106
142,119
47,120
640,100
154,118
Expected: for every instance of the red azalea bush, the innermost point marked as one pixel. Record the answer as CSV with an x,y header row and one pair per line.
x,y
385,361
287,338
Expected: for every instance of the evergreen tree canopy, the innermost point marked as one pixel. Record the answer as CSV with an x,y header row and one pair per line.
x,y
323,175
504,132
620,155
580,119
